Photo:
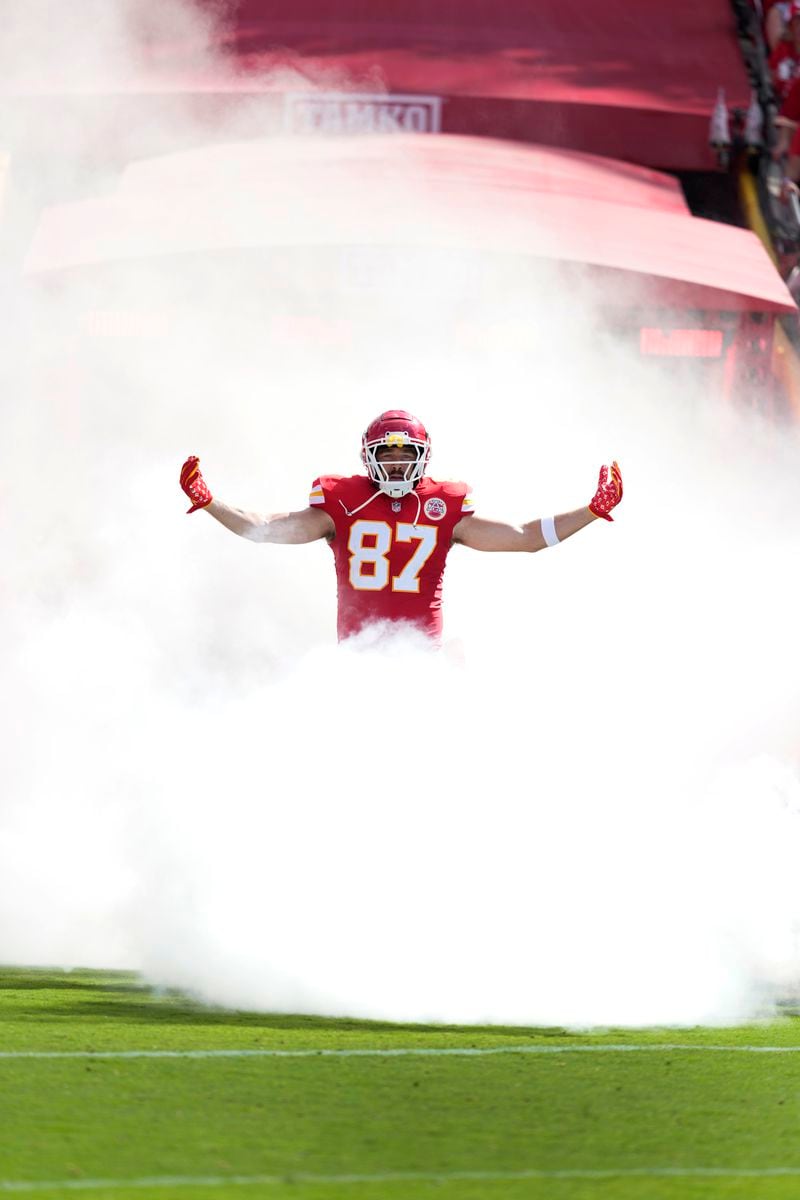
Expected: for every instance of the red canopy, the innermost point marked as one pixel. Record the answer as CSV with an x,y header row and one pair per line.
x,y
631,80
626,226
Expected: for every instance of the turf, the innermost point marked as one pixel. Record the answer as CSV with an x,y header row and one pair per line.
x,y
556,1121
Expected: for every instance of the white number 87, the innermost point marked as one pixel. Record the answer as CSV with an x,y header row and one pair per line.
x,y
375,556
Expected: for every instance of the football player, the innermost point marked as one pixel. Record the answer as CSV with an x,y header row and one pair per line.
x,y
391,530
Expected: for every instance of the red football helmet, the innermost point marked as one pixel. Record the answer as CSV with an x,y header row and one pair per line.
x,y
396,428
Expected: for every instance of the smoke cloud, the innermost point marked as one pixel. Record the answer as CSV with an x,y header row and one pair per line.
x,y
584,811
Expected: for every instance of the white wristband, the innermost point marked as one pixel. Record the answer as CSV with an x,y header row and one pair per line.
x,y
549,531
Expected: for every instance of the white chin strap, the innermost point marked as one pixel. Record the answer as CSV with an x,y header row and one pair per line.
x,y
396,488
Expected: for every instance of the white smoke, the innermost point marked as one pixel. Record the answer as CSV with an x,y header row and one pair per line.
x,y
584,811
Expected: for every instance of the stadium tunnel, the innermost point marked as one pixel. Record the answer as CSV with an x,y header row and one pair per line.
x,y
677,286
586,103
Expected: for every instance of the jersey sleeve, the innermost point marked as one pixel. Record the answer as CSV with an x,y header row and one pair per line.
x,y
461,494
322,491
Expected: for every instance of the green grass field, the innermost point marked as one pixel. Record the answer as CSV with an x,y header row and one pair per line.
x,y
109,1090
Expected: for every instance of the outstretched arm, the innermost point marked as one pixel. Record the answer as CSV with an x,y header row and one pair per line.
x,y
288,529
293,528
480,534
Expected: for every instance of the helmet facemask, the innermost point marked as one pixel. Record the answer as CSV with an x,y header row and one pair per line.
x,y
384,474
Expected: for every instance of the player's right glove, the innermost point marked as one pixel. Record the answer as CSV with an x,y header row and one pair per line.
x,y
609,492
194,485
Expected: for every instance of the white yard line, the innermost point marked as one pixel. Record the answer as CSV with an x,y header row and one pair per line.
x,y
384,1177
405,1051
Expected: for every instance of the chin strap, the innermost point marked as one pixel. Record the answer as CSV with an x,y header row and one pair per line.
x,y
368,500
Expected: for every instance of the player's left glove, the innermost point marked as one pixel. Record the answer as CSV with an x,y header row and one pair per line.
x,y
609,492
194,485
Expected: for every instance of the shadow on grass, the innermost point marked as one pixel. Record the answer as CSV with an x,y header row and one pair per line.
x,y
89,996
110,995
28,979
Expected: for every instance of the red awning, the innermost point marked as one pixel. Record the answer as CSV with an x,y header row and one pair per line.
x,y
627,226
634,81
628,79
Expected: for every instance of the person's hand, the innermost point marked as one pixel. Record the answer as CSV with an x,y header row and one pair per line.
x,y
609,492
194,485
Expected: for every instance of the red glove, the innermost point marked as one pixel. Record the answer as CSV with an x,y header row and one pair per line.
x,y
194,485
609,492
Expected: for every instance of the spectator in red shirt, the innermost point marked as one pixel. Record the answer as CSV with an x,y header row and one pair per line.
x,y
777,15
788,140
784,62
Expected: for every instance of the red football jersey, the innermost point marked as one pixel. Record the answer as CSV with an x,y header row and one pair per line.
x,y
390,554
